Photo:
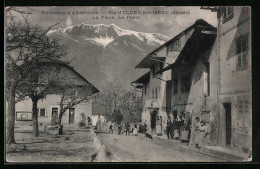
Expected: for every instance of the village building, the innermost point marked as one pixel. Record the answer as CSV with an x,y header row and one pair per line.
x,y
234,77
194,80
49,107
157,85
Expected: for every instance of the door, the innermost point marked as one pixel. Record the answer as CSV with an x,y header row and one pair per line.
x,y
153,119
227,107
71,115
54,115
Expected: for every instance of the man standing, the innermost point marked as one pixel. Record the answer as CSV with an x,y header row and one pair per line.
x,y
172,128
127,128
168,127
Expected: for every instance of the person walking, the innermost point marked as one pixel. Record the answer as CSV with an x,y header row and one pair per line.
x,y
168,126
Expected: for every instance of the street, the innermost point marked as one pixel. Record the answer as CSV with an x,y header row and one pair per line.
x,y
139,149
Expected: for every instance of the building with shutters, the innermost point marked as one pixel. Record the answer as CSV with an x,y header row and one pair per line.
x,y
234,77
169,91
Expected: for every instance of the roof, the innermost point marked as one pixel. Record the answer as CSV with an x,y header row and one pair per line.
x,y
145,62
94,89
62,63
143,79
199,42
148,62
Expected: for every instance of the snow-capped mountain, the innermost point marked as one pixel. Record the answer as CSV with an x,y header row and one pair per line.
x,y
105,53
104,34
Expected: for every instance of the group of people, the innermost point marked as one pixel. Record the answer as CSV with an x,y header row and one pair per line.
x,y
174,128
200,133
127,129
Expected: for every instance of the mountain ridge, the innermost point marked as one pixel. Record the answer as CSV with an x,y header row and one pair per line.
x,y
108,54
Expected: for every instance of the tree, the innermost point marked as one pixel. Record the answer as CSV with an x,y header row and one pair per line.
x,y
132,106
25,47
114,100
39,83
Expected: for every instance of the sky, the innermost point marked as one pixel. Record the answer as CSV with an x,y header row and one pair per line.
x,y
168,21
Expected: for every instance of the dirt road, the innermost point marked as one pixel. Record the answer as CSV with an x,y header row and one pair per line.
x,y
138,149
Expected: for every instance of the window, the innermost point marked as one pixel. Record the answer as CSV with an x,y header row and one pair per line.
x,y
175,86
161,66
144,88
42,112
242,52
227,13
152,93
185,84
23,116
156,93
175,46
243,104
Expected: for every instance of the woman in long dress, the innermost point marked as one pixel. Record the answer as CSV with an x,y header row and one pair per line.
x,y
203,134
135,130
197,132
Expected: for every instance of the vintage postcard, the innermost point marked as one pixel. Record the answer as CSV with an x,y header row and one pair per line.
x,y
128,84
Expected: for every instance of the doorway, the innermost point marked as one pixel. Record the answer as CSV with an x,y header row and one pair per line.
x,y
153,119
71,115
227,107
54,115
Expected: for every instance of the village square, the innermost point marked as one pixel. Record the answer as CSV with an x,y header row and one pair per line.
x,y
94,92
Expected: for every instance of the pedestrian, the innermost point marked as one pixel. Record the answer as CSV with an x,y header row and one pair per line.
x,y
180,125
203,132
172,128
140,128
168,125
135,130
127,128
145,128
197,132
119,129
111,129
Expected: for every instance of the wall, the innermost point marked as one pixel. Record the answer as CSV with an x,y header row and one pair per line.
x,y
48,103
235,83
196,100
